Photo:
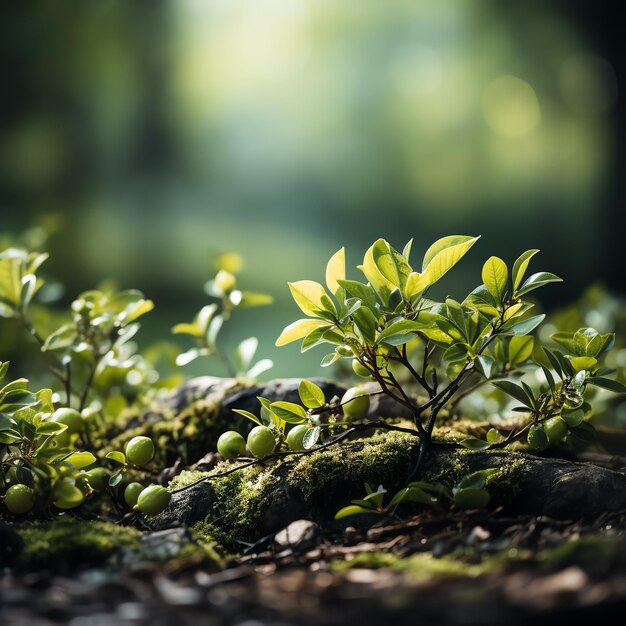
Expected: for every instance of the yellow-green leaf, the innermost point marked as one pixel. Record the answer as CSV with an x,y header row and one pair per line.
x,y
580,363
376,279
336,270
494,275
81,459
298,330
440,258
520,266
308,296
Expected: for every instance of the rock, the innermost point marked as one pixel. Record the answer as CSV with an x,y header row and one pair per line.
x,y
260,500
300,536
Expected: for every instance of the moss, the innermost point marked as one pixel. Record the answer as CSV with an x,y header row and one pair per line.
x,y
421,566
66,543
189,435
384,458
597,554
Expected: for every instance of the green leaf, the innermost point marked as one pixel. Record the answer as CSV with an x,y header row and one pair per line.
x,y
336,270
308,296
413,494
515,391
538,280
288,411
473,443
520,349
311,395
495,275
381,285
117,456
583,362
299,329
365,293
366,323
484,364
607,383
520,266
329,359
524,327
353,509
81,459
61,338
440,258
401,327
471,498
391,264
50,428
554,362
251,416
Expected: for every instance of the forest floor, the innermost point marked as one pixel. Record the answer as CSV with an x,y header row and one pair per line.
x,y
476,568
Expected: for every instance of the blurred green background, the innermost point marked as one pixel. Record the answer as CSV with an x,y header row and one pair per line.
x,y
142,138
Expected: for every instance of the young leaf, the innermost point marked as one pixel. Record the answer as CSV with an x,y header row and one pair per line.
x,y
117,456
251,416
439,259
288,411
308,296
353,509
538,280
311,395
365,293
495,275
520,349
524,327
520,266
299,329
473,443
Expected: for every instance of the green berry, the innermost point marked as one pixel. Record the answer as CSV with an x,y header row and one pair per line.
x,y
360,370
537,438
98,478
19,499
140,450
70,418
261,441
295,437
355,403
153,499
131,493
556,428
231,444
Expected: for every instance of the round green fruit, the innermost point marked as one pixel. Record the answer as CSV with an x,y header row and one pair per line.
x,y
295,437
140,450
98,478
355,403
537,438
261,441
556,428
231,444
153,499
70,418
360,369
131,493
19,499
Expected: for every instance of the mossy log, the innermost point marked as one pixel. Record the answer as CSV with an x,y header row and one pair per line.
x,y
248,504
